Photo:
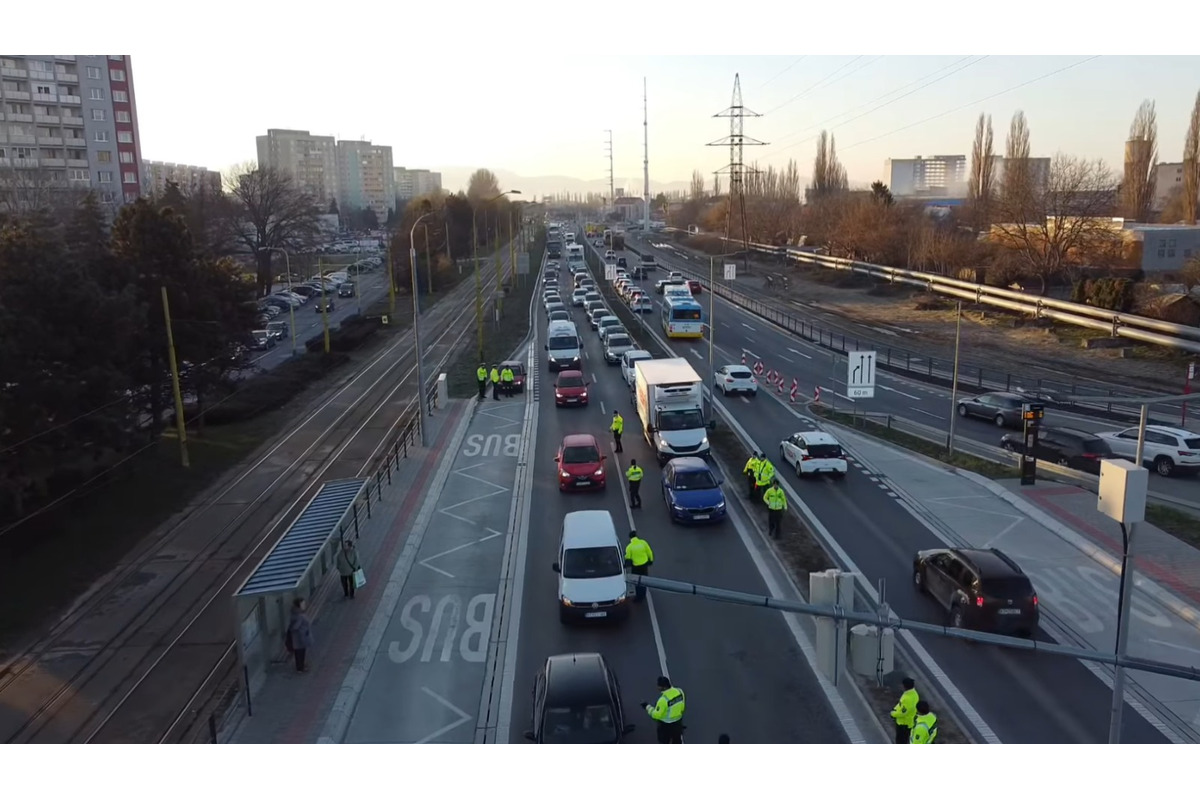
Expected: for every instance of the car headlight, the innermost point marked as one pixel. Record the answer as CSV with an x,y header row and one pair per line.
x,y
678,507
704,442
564,474
721,505
565,601
599,471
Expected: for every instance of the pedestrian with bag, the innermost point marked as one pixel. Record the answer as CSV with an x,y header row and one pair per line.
x,y
299,634
347,565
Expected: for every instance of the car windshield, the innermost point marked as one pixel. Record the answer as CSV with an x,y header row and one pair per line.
x,y
579,725
1192,444
825,450
581,454
570,381
562,343
680,420
619,340
592,562
695,480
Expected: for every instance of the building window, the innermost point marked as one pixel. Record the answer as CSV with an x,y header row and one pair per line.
x,y
93,73
131,177
122,116
105,176
78,175
126,157
98,114
42,89
100,136
131,197
95,94
116,75
1162,253
125,137
116,58
104,157
38,66
1170,244
1170,254
120,96
108,197
23,153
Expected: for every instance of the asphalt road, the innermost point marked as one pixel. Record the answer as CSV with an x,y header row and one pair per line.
x,y
1025,698
739,331
740,667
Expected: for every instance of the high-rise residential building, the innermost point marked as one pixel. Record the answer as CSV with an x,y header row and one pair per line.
x,y
1039,172
157,174
365,178
1168,179
71,122
412,183
310,160
927,176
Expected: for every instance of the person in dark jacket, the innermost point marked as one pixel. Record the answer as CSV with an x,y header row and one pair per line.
x,y
347,565
299,633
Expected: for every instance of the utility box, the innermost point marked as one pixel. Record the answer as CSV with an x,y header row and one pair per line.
x,y
443,392
831,588
872,650
1123,488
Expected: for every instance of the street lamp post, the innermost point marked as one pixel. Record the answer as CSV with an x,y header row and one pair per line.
x,y
475,257
416,300
287,262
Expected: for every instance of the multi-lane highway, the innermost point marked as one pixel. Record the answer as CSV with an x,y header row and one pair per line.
x,y
739,332
742,668
1022,698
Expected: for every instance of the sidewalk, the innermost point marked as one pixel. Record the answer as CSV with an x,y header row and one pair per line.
x,y
291,708
1067,548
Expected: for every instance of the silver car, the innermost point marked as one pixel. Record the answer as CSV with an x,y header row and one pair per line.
x,y
616,345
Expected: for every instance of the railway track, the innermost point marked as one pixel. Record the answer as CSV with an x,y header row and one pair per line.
x,y
134,653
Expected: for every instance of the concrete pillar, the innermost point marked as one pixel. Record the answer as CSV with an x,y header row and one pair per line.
x,y
872,653
831,588
443,392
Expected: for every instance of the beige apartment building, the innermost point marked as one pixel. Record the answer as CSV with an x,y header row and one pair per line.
x,y
412,183
310,160
366,178
157,174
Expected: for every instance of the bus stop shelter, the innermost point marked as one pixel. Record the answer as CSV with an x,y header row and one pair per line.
x,y
295,567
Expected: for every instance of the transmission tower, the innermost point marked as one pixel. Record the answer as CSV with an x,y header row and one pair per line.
x,y
736,168
612,193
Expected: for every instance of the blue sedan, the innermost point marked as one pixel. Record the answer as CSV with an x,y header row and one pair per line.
x,y
692,491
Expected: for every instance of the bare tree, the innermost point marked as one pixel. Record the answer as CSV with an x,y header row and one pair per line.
x,y
697,187
1141,153
716,187
772,203
1018,172
1066,223
980,188
482,185
1191,165
24,190
266,209
829,176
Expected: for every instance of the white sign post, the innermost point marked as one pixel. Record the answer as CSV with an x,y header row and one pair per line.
x,y
610,272
860,374
730,272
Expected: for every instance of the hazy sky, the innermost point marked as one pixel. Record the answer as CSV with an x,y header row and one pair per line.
x,y
1085,109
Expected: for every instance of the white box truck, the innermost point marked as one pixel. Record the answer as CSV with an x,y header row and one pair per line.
x,y
670,404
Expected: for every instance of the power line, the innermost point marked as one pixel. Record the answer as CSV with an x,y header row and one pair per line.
x,y
816,85
974,102
66,424
779,74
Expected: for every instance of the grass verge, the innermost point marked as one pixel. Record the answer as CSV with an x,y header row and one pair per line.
x,y
1183,526
499,338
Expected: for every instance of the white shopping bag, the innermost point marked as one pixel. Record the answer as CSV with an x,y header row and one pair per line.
x,y
360,579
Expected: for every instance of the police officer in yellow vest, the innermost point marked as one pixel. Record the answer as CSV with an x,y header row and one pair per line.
x,y
924,730
506,378
634,476
776,502
481,376
668,712
617,428
640,558
495,382
763,475
905,712
750,470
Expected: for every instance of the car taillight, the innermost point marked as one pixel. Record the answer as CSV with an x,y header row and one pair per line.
x,y
979,602
1090,455
1035,600
1186,453
806,458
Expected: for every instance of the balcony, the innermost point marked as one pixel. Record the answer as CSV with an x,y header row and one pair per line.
x,y
9,72
66,77
76,142
25,163
50,141
19,117
77,162
46,119
70,99
54,162
74,122
65,58
16,96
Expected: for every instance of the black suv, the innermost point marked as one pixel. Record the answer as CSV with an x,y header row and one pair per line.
x,y
1066,447
577,700
982,589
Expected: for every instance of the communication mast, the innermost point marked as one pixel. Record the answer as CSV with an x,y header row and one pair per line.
x,y
736,168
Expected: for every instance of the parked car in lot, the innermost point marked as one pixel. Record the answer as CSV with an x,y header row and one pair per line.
x,y
346,290
278,329
736,379
1066,447
1168,451
570,389
814,453
692,491
577,700
518,371
262,340
983,589
591,569
1003,408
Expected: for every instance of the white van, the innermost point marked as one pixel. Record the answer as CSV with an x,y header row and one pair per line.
x,y
565,350
591,569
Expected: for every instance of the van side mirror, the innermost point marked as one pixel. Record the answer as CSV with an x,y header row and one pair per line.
x,y
530,737
712,424
557,458
556,567
545,347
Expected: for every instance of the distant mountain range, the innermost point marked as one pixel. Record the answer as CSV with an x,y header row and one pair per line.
x,y
455,178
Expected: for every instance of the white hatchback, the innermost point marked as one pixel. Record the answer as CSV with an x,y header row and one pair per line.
x,y
814,453
627,362
1168,451
736,379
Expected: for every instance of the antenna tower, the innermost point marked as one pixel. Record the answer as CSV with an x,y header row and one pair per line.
x,y
736,168
612,192
645,161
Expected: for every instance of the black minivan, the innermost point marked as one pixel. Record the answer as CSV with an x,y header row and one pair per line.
x,y
1067,447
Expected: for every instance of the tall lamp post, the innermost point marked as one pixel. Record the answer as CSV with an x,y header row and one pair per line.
x,y
287,262
416,300
475,256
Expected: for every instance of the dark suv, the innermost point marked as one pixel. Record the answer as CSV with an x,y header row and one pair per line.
x,y
1066,447
982,589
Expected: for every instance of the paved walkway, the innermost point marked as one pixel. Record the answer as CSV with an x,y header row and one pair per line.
x,y
1068,551
292,708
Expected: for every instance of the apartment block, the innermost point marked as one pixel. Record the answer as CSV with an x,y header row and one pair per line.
x,y
1039,172
71,122
366,177
412,183
157,174
927,176
310,160
1168,179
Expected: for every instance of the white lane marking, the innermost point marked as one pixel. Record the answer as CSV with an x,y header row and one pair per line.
x,y
723,324
696,353
897,391
602,411
926,413
797,352
785,358
749,327
658,642
594,380
442,731
745,400
752,355
1161,643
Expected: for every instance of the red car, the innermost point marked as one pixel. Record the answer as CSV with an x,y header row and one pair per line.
x,y
570,389
694,287
518,370
579,462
